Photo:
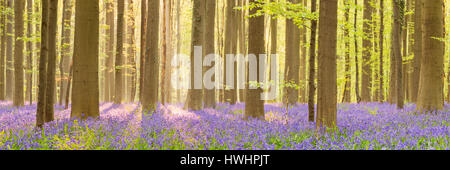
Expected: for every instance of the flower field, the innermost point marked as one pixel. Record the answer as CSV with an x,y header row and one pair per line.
x,y
371,126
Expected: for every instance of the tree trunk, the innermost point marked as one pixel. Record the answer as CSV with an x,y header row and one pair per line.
x,y
119,69
367,53
312,66
431,74
381,75
65,48
143,46
210,94
2,52
292,61
19,9
347,86
254,106
9,52
110,71
132,50
230,48
415,76
151,73
29,64
51,61
69,83
40,112
357,87
85,90
195,93
396,49
327,86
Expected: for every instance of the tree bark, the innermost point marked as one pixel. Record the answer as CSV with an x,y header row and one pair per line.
x,y
430,93
119,69
85,90
29,62
195,94
2,52
312,66
110,71
381,71
40,112
327,79
254,107
415,76
210,7
9,52
367,53
51,61
292,61
347,85
396,49
19,10
151,73
65,48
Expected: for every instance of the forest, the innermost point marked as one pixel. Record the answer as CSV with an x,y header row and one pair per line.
x,y
224,75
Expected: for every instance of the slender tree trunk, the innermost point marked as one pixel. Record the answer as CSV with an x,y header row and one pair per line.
x,y
110,71
254,106
357,87
164,53
396,49
2,52
242,45
51,61
69,83
415,76
9,52
210,7
143,46
303,63
430,93
230,48
85,91
19,10
119,70
195,93
327,86
367,52
29,64
132,49
65,48
40,113
151,73
381,71
347,86
312,66
292,61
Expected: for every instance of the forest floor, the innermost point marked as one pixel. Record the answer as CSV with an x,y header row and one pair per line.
x,y
370,126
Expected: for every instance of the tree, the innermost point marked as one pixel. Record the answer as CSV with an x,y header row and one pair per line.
x,y
415,75
29,64
19,6
132,50
9,51
65,48
381,76
292,61
230,48
143,46
210,7
355,25
347,86
312,66
40,112
254,106
327,76
119,53
2,51
110,71
150,90
430,93
51,61
367,52
85,91
195,93
396,51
